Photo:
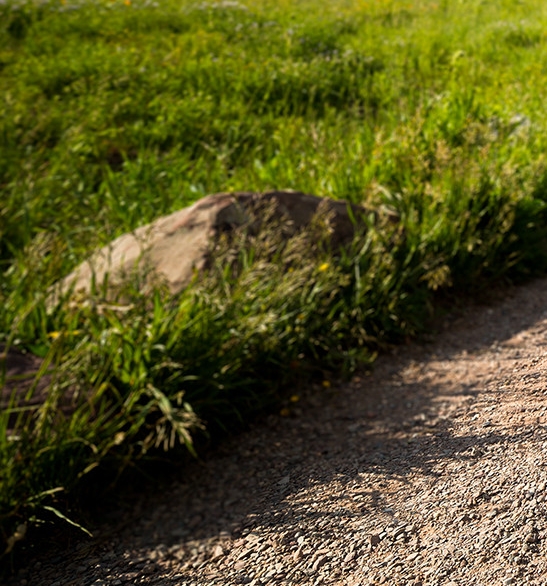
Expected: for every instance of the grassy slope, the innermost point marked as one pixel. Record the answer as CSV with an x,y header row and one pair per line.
x,y
114,113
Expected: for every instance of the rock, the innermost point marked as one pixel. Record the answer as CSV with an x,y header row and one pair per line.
x,y
218,552
174,247
319,562
284,481
349,557
373,540
18,372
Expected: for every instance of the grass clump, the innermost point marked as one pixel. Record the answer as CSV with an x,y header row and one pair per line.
x,y
113,113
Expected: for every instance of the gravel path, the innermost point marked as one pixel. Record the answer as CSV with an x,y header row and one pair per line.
x,y
432,470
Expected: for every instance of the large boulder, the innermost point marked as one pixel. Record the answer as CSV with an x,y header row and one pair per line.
x,y
176,246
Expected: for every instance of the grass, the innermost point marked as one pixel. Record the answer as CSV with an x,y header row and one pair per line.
x,y
114,113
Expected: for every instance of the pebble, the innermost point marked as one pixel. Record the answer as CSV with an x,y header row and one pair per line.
x,y
298,555
374,540
349,557
320,561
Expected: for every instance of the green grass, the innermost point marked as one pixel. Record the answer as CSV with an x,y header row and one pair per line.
x,y
115,113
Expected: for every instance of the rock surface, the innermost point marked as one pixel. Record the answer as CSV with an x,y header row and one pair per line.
x,y
175,246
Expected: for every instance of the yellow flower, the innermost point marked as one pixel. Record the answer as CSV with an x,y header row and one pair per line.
x,y
326,384
294,399
324,267
55,335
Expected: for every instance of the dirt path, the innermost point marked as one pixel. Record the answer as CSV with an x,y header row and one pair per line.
x,y
430,471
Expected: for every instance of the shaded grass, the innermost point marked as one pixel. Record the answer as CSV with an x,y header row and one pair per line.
x,y
113,114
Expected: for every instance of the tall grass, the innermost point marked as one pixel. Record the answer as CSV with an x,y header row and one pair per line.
x,y
113,113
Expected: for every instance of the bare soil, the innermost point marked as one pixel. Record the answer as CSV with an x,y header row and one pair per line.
x,y
431,470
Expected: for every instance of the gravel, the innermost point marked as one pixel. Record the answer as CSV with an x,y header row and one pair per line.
x,y
429,471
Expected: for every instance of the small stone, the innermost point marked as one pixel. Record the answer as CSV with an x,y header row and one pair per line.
x,y
218,552
298,555
284,481
373,539
413,556
320,561
530,538
349,557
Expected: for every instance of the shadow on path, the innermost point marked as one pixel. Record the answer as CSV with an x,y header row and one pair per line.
x,y
386,425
